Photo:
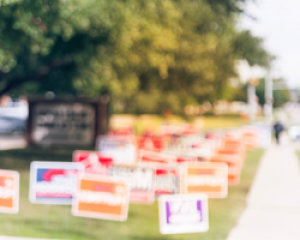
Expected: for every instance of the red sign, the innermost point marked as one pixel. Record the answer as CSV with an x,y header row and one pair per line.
x,y
93,162
152,157
99,197
150,143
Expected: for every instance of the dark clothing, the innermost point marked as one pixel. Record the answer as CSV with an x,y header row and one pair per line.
x,y
278,127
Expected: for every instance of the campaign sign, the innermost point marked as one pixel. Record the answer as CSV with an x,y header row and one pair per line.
x,y
234,175
141,182
151,143
93,162
101,197
265,134
53,182
209,178
9,191
167,180
153,158
121,149
235,164
186,213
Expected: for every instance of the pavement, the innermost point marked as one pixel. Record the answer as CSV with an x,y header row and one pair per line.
x,y
12,142
273,203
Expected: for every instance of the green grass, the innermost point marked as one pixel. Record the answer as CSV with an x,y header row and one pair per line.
x,y
298,154
50,221
153,122
212,122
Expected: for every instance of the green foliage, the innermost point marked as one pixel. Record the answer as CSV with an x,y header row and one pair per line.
x,y
149,54
241,93
280,96
250,48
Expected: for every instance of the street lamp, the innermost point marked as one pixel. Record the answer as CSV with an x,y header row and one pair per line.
x,y
252,83
268,108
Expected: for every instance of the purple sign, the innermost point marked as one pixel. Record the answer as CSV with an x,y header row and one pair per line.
x,y
183,213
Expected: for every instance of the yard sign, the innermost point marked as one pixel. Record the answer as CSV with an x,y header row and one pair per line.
x,y
9,191
183,213
209,178
101,197
53,182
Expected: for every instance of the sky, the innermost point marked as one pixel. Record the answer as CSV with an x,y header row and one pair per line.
x,y
278,22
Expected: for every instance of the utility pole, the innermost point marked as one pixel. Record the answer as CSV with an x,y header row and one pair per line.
x,y
268,108
252,83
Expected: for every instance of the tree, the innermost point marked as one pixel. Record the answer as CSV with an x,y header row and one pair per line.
x,y
148,54
280,96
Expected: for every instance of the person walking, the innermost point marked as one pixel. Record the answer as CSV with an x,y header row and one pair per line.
x,y
278,127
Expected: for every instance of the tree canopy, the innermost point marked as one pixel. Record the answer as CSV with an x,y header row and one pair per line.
x,y
148,54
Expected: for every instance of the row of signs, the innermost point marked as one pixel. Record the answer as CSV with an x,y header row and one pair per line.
x,y
101,185
57,183
108,197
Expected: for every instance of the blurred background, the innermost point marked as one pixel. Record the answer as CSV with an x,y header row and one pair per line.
x,y
131,65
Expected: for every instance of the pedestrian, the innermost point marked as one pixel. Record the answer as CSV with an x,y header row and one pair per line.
x,y
278,127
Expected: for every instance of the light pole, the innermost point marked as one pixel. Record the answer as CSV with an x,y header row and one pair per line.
x,y
252,83
268,108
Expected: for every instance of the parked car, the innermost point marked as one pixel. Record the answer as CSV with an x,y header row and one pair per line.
x,y
10,125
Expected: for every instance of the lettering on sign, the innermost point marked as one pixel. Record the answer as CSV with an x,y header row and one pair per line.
x,y
63,123
167,180
183,213
9,191
141,181
101,197
121,149
93,162
209,178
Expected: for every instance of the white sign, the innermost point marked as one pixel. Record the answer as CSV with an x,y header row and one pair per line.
x,y
121,149
265,134
183,213
140,179
53,182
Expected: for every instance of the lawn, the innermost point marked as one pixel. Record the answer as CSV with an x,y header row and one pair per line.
x,y
49,221
152,122
298,154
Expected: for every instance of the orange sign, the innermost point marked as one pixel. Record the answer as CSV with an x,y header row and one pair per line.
x,y
99,197
209,178
234,174
251,139
235,164
9,191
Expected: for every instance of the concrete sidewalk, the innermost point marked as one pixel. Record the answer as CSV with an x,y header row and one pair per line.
x,y
273,204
